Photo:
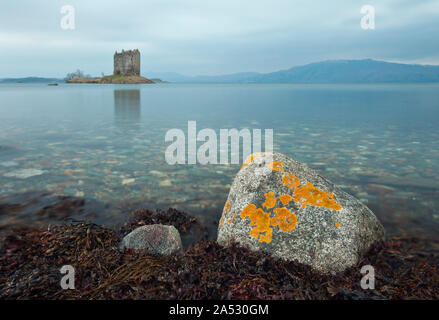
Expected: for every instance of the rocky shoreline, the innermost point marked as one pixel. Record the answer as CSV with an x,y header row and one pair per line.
x,y
115,79
285,233
405,268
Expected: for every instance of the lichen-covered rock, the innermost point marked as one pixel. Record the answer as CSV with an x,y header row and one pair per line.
x,y
280,206
156,238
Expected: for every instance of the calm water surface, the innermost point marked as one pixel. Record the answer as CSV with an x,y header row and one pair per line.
x,y
106,144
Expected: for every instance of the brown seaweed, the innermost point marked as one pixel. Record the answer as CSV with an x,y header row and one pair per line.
x,y
405,268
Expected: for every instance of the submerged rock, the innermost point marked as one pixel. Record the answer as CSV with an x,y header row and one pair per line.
x,y
157,174
24,173
280,206
128,181
165,183
8,164
156,238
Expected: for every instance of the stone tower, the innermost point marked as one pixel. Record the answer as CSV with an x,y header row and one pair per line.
x,y
127,63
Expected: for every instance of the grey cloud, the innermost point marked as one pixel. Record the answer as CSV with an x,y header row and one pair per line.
x,y
211,37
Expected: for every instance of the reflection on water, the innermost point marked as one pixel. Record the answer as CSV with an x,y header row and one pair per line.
x,y
127,106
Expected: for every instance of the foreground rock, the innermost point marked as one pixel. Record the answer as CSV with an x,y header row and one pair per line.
x,y
156,238
280,206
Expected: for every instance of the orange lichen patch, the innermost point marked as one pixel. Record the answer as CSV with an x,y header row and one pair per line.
x,y
290,180
261,220
270,200
234,216
221,222
267,237
276,166
337,225
248,210
226,207
310,195
284,219
229,221
285,199
249,159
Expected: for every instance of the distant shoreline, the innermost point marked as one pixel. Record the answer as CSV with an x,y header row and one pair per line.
x,y
331,71
365,71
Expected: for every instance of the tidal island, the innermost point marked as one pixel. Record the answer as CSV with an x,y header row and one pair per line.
x,y
126,70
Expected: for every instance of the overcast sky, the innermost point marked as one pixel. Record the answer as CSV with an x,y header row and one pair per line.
x,y
211,37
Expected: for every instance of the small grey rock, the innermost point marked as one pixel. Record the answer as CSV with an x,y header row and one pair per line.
x,y
156,238
280,206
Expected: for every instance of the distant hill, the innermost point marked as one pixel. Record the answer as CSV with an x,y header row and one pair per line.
x,y
30,80
336,71
352,71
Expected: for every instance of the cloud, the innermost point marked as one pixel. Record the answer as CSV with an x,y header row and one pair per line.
x,y
211,37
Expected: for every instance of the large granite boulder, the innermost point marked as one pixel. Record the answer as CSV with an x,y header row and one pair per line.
x,y
156,238
280,206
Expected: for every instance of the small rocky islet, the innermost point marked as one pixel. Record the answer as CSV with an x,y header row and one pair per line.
x,y
126,70
285,233
114,79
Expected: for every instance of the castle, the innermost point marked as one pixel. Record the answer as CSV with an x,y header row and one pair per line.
x,y
127,63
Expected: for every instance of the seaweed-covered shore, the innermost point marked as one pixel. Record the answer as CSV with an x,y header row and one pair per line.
x,y
405,267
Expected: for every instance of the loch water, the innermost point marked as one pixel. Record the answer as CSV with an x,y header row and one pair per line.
x,y
97,152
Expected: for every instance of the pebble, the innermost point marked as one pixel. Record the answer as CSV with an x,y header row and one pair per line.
x,y
128,181
79,193
165,183
158,174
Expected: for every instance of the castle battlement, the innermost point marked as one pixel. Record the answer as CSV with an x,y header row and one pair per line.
x,y
127,63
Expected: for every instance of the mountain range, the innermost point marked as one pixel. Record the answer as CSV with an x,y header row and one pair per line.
x,y
336,71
